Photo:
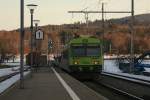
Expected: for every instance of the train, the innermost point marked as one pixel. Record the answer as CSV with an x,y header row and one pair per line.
x,y
82,55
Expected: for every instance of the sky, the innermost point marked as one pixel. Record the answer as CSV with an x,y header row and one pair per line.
x,y
55,11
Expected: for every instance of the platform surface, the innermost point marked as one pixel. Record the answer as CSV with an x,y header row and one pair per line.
x,y
51,84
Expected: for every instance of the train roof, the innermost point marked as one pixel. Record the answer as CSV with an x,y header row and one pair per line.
x,y
88,40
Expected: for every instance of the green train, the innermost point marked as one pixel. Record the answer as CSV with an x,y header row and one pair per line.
x,y
82,54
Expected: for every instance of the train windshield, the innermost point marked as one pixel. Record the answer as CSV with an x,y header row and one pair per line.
x,y
93,51
86,51
77,51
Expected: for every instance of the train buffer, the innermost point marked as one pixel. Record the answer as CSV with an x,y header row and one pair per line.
x,y
51,84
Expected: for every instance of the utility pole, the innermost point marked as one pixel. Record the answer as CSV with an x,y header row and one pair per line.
x,y
103,30
103,26
22,44
87,22
132,38
103,21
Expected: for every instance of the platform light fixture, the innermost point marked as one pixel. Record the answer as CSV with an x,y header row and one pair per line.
x,y
36,22
32,7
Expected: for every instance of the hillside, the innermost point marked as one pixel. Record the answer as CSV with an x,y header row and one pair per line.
x,y
142,18
117,31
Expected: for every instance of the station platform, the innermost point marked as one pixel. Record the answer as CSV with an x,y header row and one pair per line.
x,y
51,84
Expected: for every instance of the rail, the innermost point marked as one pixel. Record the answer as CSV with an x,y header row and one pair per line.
x,y
133,86
5,77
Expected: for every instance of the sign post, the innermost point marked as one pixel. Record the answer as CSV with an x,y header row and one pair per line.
x,y
39,35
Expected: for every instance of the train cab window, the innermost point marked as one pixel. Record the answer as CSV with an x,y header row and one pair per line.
x,y
86,51
93,51
78,51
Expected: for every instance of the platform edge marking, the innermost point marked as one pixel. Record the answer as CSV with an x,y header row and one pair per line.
x,y
72,94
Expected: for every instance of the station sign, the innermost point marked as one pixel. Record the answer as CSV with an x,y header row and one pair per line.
x,y
39,35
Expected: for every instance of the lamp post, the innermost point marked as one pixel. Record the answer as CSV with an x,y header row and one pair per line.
x,y
31,7
36,22
21,43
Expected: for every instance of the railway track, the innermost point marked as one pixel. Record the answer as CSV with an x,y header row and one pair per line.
x,y
3,78
119,87
110,92
137,88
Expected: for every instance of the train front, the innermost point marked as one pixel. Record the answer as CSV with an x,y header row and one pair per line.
x,y
85,55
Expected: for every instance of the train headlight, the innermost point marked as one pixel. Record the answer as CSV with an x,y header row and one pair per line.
x,y
95,62
75,62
